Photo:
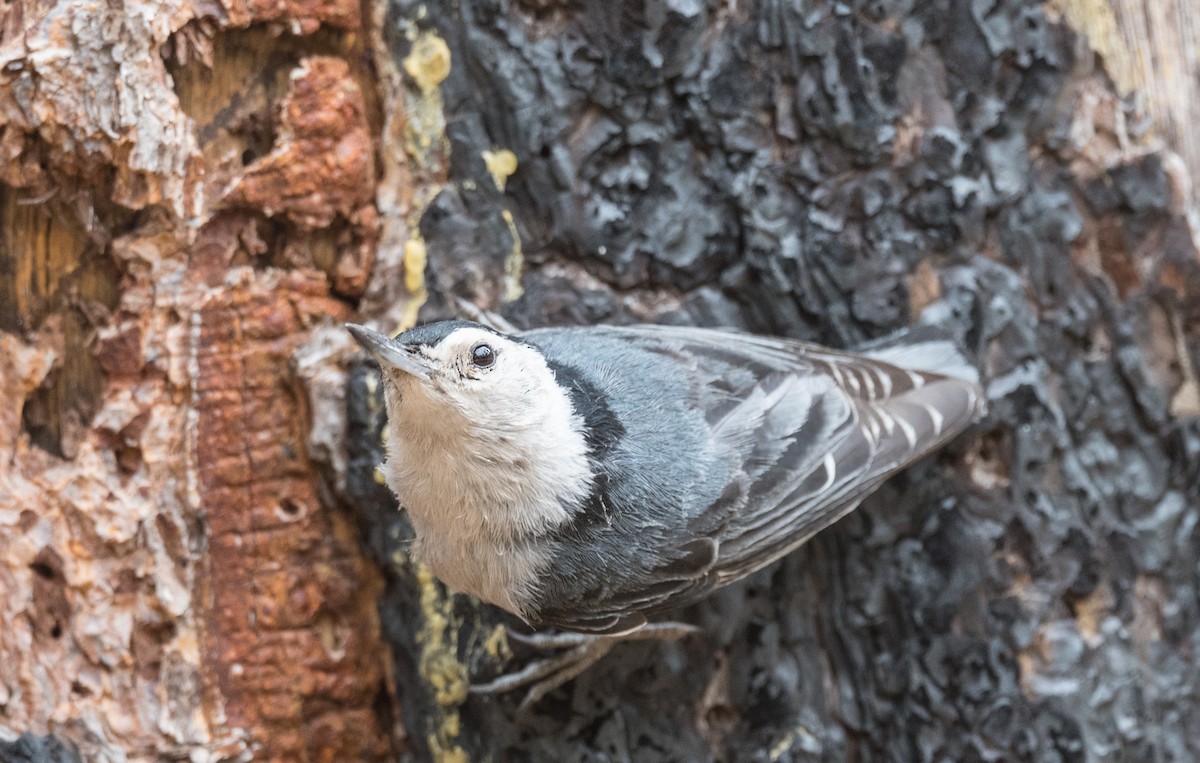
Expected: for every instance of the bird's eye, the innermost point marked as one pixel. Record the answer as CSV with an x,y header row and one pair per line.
x,y
483,355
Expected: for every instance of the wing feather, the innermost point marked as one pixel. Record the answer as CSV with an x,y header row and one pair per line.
x,y
812,431
819,429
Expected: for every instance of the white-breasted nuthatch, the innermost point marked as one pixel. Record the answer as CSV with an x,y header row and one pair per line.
x,y
590,478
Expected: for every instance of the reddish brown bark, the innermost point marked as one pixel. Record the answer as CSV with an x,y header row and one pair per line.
x,y
173,231
291,626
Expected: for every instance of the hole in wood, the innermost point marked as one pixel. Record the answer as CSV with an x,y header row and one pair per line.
x,y
290,509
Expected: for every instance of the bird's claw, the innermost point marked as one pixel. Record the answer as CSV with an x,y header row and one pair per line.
x,y
580,652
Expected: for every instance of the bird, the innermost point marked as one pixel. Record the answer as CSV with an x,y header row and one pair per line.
x,y
592,479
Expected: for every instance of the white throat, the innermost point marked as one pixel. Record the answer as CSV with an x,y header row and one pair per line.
x,y
481,492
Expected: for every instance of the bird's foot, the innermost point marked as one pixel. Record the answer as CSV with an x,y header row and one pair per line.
x,y
577,653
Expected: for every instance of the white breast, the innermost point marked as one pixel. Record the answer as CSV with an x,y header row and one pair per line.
x,y
483,492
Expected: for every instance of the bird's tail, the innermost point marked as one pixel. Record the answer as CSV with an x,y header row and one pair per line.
x,y
924,348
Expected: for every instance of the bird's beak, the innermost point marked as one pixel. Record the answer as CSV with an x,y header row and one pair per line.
x,y
389,354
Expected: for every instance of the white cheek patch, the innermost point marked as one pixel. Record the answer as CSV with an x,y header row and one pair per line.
x,y
484,467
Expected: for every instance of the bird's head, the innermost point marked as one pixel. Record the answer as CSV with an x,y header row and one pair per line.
x,y
459,372
476,419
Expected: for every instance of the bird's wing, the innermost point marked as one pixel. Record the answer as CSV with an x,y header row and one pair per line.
x,y
804,432
818,430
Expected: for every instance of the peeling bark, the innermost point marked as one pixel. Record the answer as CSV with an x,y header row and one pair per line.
x,y
197,560
172,584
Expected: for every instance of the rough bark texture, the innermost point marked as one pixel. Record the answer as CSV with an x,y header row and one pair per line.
x,y
1151,50
188,192
195,194
833,172
32,749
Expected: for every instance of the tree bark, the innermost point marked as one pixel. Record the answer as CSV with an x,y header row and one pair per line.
x,y
1150,51
188,192
835,173
197,559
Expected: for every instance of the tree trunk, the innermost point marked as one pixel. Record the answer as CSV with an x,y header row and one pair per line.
x,y
188,192
197,560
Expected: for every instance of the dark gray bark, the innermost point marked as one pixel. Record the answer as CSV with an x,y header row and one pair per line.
x,y
28,748
834,172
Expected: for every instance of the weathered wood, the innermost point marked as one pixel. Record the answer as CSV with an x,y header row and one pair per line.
x,y
184,202
1151,48
194,194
